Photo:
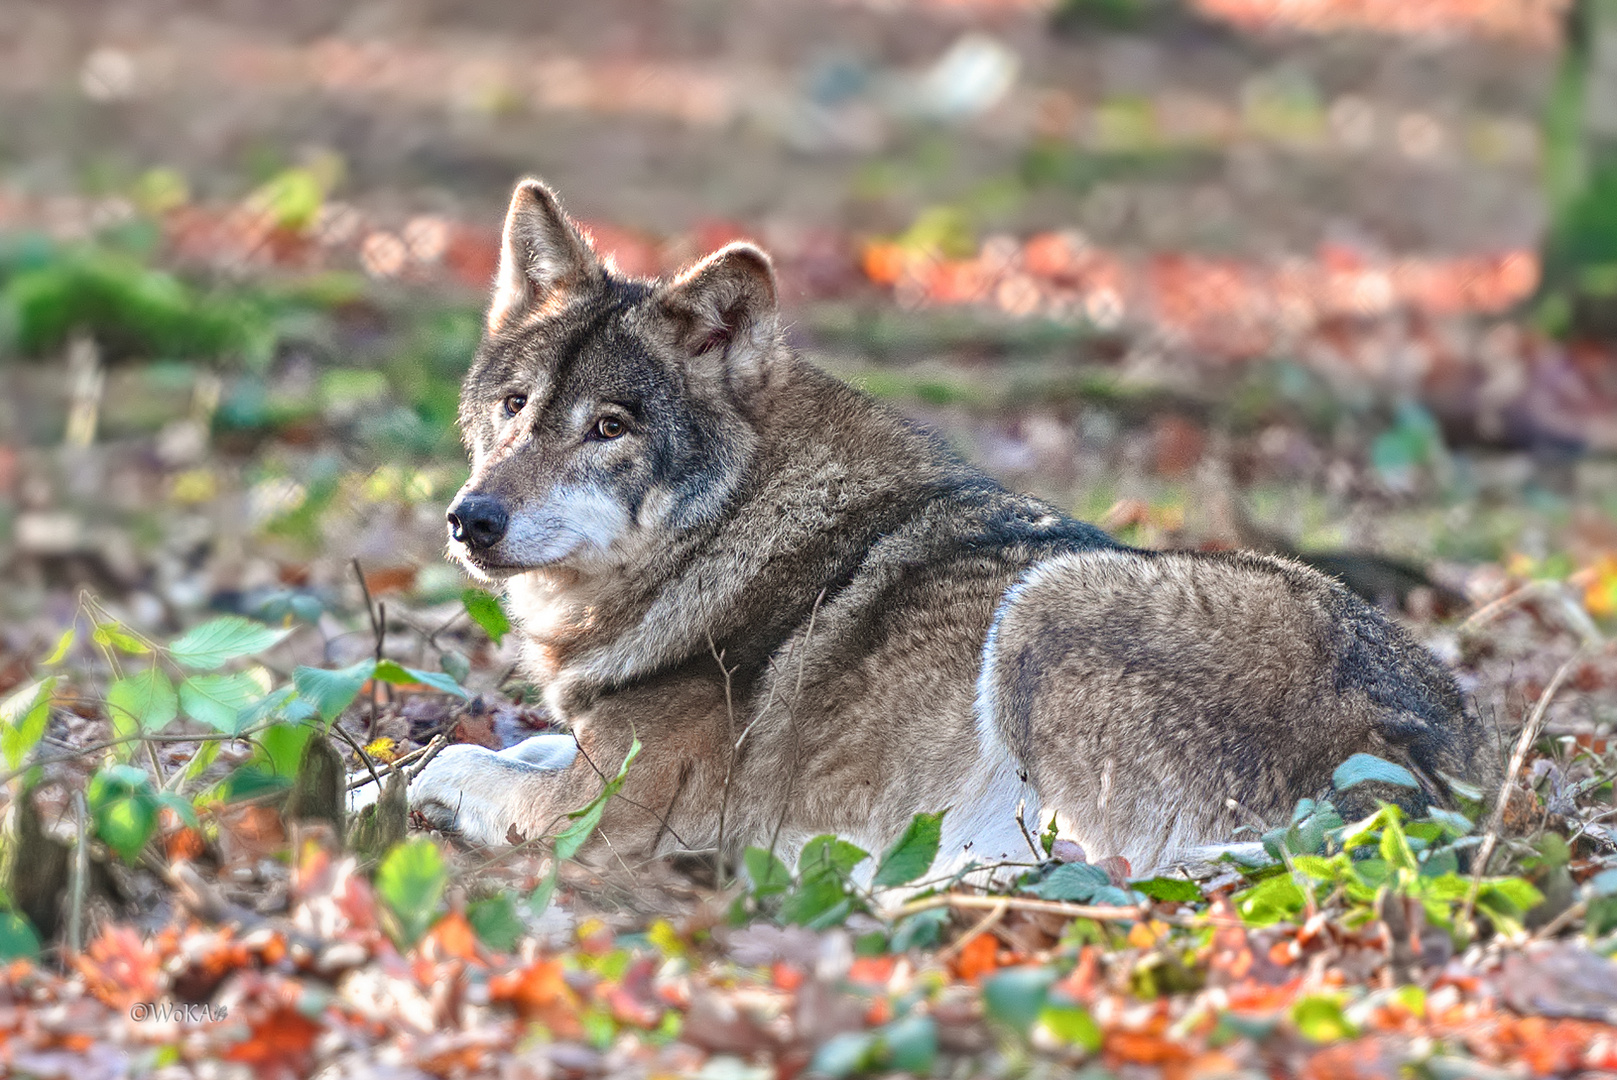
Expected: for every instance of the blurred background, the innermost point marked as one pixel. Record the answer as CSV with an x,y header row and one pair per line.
x,y
1330,277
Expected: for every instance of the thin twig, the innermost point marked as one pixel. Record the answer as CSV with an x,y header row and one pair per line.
x,y
791,715
1497,606
81,876
426,754
364,780
1561,921
1525,743
1021,823
996,911
359,751
980,902
730,762
605,779
378,628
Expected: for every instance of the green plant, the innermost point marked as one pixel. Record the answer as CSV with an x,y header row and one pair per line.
x,y
1327,863
824,892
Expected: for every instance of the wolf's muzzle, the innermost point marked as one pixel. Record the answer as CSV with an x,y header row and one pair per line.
x,y
478,521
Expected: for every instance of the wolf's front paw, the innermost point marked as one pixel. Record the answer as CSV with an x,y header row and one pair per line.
x,y
466,790
485,796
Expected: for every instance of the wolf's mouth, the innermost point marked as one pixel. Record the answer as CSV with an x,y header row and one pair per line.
x,y
480,565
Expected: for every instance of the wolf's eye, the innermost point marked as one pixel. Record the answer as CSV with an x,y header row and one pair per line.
x,y
609,427
515,403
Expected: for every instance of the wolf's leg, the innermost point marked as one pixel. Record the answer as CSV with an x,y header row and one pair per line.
x,y
1157,701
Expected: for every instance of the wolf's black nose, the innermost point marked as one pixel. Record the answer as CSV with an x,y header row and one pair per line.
x,y
478,521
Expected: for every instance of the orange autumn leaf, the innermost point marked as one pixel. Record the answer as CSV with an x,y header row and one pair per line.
x,y
279,1045
978,958
1146,934
1143,1048
1282,953
183,843
454,937
539,992
1049,255
1600,593
119,967
883,262
1080,982
871,970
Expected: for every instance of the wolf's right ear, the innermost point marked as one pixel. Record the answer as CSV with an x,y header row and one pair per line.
x,y
724,312
542,256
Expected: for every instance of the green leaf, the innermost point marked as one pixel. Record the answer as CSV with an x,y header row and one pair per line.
x,y
142,704
1448,886
411,882
911,1043
496,922
767,873
1270,900
219,700
845,1054
570,839
1367,768
390,672
1169,889
1395,848
1075,883
111,635
911,855
828,855
920,931
1016,996
281,746
218,640
539,899
835,915
205,755
1319,1019
123,807
18,940
330,692
292,197
486,612
1518,893
1440,863
25,715
817,895
1071,1023
1451,822
63,643
1318,867
282,703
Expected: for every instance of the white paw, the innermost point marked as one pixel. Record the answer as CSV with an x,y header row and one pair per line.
x,y
482,795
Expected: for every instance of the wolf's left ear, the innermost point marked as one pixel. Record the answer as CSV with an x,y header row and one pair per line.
x,y
724,311
542,255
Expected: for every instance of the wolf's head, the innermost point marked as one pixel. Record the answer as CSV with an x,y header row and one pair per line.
x,y
606,415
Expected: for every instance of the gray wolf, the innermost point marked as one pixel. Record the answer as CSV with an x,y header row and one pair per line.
x,y
816,619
